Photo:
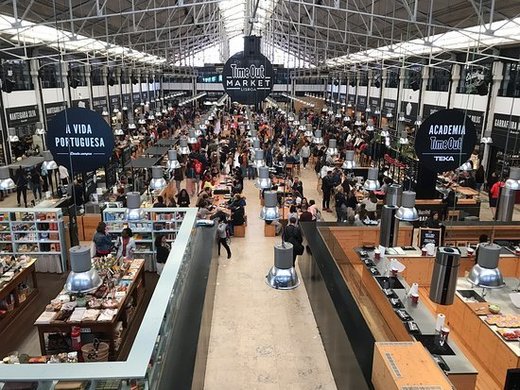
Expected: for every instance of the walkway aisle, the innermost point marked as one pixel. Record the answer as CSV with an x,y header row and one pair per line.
x,y
263,338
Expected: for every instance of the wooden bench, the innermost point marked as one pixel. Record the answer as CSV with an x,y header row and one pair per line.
x,y
239,230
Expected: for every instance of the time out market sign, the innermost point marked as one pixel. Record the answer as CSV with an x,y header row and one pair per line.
x,y
80,140
248,76
445,140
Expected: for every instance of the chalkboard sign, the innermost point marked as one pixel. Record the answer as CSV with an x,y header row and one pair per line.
x,y
430,235
89,183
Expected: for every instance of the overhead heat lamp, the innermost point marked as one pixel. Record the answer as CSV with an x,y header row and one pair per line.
x,y
6,183
407,212
83,278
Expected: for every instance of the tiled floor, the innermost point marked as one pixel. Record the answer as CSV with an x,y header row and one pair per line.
x,y
263,338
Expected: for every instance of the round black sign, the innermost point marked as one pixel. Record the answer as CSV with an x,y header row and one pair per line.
x,y
248,79
80,139
445,140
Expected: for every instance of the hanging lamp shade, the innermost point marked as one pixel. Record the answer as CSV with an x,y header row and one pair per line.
x,y
40,130
83,278
370,125
358,121
270,210
513,182
467,166
486,273
263,181
6,183
377,111
256,144
407,211
133,210
282,276
349,162
332,150
401,117
118,130
183,146
308,130
372,183
48,161
192,138
318,139
13,137
173,162
157,182
105,111
418,121
259,158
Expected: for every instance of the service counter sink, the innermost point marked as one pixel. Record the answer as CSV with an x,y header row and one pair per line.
x,y
431,343
471,295
389,282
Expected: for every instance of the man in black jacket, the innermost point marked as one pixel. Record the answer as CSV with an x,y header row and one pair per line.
x,y
293,234
327,184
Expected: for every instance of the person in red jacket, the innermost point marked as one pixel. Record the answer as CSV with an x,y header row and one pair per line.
x,y
494,193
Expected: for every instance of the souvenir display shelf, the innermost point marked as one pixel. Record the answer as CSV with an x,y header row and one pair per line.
x,y
106,314
163,221
38,232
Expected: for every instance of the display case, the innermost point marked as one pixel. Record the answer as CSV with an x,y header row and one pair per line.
x,y
156,221
38,232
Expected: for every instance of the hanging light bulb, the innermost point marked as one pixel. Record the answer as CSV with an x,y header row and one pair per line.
x,y
118,130
349,162
407,211
6,183
270,210
157,182
372,183
259,158
318,139
39,128
133,210
332,150
183,146
173,162
370,125
263,181
192,138
48,161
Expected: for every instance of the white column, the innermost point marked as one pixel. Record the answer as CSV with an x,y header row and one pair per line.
x,y
425,75
455,78
498,76
34,67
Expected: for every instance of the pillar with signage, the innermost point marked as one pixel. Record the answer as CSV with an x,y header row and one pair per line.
x,y
443,143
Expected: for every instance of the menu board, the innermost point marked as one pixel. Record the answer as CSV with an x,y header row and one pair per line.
x,y
111,173
430,235
89,183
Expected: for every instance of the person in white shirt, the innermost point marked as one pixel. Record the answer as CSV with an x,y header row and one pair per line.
x,y
305,153
64,175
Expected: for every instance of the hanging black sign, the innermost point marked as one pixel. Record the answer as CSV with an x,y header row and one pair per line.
x,y
81,103
99,104
111,172
114,101
429,109
504,125
21,115
126,98
136,97
389,105
477,117
445,140
361,104
80,139
410,110
248,76
351,99
89,183
53,108
375,102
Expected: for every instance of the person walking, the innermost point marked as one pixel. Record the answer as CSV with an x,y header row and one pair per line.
x,y
222,237
305,153
293,235
21,186
162,251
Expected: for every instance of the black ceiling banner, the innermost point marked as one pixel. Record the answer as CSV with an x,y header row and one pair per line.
x,y
477,117
52,109
18,116
248,75
429,109
81,103
99,103
80,139
445,140
505,125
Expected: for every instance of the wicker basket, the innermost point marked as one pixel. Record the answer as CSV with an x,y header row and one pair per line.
x,y
95,352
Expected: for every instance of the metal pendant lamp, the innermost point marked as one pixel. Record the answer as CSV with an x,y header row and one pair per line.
x,y
486,273
318,139
183,146
157,182
332,150
283,276
192,137
173,162
83,278
270,211
133,210
259,158
372,183
48,161
263,181
407,211
6,183
349,162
